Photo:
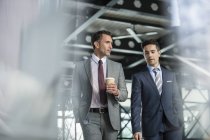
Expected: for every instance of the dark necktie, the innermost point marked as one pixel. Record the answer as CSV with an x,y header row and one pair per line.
x,y
101,83
158,81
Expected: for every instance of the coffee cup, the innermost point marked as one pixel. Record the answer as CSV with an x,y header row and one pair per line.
x,y
110,80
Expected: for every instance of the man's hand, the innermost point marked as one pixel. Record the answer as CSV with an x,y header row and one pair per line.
x,y
137,136
112,89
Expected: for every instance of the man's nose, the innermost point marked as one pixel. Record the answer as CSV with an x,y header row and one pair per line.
x,y
149,54
110,46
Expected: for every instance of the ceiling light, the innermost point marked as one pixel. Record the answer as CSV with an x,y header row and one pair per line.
x,y
137,3
88,38
131,44
117,42
120,2
154,6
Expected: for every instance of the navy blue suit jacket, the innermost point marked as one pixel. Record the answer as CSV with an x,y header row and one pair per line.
x,y
146,102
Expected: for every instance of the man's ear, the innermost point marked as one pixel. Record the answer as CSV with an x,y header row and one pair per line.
x,y
159,52
96,44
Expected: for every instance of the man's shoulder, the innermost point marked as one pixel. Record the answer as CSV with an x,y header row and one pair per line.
x,y
166,70
113,62
141,71
79,65
82,61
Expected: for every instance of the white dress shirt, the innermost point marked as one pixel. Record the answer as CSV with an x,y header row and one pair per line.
x,y
95,102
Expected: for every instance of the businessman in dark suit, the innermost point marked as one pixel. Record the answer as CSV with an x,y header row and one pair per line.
x,y
156,103
99,118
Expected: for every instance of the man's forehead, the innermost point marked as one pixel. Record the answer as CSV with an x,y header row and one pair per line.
x,y
150,49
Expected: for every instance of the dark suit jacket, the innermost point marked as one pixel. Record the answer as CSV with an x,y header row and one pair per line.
x,y
145,98
82,91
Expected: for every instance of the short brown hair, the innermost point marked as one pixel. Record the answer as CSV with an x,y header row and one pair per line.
x,y
97,36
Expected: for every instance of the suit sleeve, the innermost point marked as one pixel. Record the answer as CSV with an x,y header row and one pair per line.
x,y
136,105
76,92
123,93
177,101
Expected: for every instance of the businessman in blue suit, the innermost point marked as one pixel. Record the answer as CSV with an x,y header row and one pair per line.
x,y
156,103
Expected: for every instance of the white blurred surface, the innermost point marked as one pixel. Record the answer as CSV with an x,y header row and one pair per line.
x,y
26,107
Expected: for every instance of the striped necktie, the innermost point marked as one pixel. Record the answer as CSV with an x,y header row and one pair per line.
x,y
158,80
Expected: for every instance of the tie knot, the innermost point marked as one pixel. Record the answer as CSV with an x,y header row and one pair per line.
x,y
100,62
155,70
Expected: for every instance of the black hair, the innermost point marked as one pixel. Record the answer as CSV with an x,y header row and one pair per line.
x,y
151,41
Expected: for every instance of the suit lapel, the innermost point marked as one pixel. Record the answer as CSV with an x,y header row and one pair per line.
x,y
149,78
164,77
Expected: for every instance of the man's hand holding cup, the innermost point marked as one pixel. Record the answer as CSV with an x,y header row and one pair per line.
x,y
111,87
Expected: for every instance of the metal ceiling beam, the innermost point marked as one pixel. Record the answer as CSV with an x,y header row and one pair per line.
x,y
167,48
196,67
138,17
136,63
82,46
90,20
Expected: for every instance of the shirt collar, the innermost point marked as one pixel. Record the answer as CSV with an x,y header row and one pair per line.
x,y
96,59
151,68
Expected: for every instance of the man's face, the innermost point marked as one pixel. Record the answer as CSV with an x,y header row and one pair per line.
x,y
151,55
103,47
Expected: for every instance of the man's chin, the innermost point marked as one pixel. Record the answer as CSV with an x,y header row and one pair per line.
x,y
152,64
